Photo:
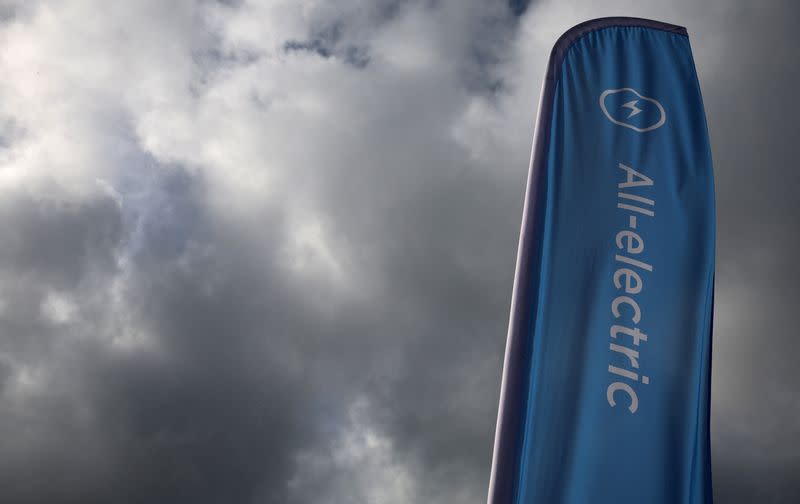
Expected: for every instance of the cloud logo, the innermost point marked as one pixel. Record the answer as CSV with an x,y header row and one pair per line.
x,y
631,109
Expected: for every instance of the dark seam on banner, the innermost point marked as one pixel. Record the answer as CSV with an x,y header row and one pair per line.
x,y
568,39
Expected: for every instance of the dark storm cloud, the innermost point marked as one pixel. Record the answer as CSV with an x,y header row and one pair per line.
x,y
320,42
353,55
518,7
213,412
306,302
50,244
751,110
58,241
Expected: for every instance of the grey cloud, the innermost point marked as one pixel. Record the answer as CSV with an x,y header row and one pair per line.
x,y
56,240
518,7
306,301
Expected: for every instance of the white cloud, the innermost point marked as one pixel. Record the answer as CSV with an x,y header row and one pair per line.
x,y
58,308
358,464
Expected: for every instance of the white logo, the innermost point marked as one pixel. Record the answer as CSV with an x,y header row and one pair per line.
x,y
648,122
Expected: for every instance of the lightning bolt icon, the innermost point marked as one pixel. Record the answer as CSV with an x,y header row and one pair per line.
x,y
634,109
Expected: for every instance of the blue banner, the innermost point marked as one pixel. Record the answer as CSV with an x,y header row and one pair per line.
x,y
605,394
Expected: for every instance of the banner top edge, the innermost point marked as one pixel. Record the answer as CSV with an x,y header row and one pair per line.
x,y
569,37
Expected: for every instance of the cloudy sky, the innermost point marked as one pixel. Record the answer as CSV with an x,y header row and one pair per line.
x,y
261,252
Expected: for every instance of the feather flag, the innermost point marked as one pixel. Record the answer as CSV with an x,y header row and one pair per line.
x,y
606,380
